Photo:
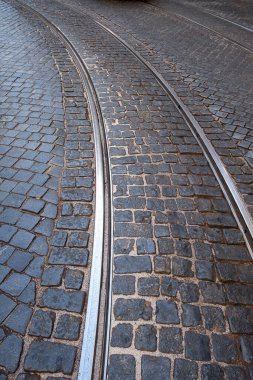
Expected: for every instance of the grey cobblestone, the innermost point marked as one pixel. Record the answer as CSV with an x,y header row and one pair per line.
x,y
165,172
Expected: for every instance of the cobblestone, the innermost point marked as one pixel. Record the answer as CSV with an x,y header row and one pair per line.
x,y
175,237
50,357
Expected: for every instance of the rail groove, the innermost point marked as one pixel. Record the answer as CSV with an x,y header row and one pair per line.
x,y
102,230
230,191
228,187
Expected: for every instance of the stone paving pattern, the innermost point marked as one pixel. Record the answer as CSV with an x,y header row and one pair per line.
x,y
46,190
182,302
203,68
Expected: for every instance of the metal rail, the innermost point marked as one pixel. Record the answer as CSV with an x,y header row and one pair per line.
x,y
231,193
228,187
102,202
224,19
248,49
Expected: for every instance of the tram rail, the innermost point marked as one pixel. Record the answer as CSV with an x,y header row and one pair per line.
x,y
103,232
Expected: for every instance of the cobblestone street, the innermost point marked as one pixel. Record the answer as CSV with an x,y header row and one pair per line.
x,y
126,171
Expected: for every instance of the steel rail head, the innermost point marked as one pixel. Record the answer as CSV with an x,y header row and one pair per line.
x,y
102,195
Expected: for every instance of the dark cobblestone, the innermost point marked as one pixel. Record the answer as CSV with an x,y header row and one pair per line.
x,y
166,312
60,299
185,369
191,315
122,335
214,318
42,323
132,264
132,309
152,366
212,371
69,256
19,319
124,285
145,338
171,340
225,348
50,357
189,292
247,348
122,367
197,346
52,276
148,286
73,279
68,327
10,351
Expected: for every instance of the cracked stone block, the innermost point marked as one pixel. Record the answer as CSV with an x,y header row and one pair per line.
x,y
15,284
4,271
42,323
182,267
122,335
50,357
155,367
19,319
122,367
68,327
10,352
22,239
29,293
36,267
6,306
19,260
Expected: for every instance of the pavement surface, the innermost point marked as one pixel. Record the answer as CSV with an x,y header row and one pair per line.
x,y
182,303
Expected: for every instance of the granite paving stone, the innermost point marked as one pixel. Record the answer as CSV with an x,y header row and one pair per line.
x,y
48,356
10,351
182,285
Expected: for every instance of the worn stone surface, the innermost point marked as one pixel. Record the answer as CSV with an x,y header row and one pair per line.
x,y
50,357
181,268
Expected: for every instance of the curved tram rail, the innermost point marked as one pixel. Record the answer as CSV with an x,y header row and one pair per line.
x,y
102,230
230,191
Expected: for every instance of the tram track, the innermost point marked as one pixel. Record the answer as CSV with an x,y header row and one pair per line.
x,y
183,17
229,189
103,218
